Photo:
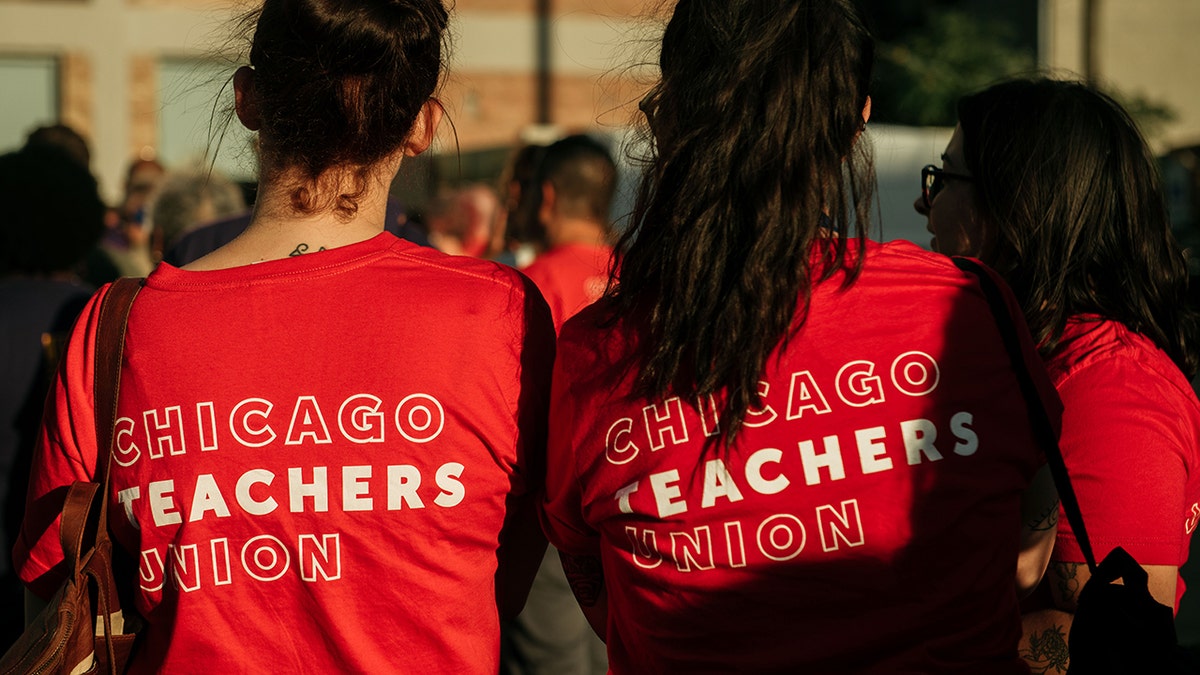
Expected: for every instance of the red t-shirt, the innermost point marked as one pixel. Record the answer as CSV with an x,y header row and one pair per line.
x,y
571,277
868,519
1131,442
312,458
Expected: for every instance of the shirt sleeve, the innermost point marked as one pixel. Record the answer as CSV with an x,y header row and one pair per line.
x,y
562,509
65,452
1124,446
535,353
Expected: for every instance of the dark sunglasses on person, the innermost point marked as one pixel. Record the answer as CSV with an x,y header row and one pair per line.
x,y
933,179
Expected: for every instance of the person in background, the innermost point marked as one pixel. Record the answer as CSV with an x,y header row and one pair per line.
x,y
331,439
460,221
519,236
775,445
1050,182
98,267
578,179
53,216
187,200
126,242
65,138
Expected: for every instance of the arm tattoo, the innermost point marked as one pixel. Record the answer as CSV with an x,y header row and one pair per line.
x,y
586,577
302,249
1046,520
1066,576
1047,651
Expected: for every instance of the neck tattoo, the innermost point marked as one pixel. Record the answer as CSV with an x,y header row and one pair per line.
x,y
301,250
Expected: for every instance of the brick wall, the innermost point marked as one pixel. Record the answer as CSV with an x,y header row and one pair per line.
x,y
75,98
490,109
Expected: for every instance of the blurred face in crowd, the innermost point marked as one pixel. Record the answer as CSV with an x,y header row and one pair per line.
x,y
948,202
144,178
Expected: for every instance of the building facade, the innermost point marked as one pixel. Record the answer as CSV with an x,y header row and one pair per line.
x,y
148,78
1138,48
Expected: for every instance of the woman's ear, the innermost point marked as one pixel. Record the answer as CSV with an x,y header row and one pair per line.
x,y
866,115
424,128
245,102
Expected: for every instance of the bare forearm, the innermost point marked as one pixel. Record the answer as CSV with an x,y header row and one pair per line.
x,y
585,574
1044,641
1039,520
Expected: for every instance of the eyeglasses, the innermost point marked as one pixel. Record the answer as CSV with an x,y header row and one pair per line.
x,y
933,179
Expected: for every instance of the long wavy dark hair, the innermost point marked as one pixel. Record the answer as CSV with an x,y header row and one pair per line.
x,y
754,126
1079,212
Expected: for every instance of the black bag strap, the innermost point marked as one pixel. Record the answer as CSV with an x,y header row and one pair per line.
x,y
1043,430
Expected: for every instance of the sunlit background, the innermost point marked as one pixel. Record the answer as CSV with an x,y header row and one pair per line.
x,y
149,79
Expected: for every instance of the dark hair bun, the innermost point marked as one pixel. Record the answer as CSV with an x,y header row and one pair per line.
x,y
340,82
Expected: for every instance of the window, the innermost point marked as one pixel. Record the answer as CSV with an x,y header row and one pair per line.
x,y
196,118
30,86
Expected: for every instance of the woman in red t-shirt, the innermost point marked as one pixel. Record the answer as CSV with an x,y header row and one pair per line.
x,y
777,446
329,441
1051,183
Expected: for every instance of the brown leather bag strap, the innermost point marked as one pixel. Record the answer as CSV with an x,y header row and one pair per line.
x,y
110,346
77,515
74,522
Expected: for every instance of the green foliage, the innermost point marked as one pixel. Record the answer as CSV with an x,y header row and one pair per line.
x,y
921,76
930,64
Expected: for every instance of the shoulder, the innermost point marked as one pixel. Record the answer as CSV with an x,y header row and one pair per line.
x,y
463,285
1094,349
90,313
899,279
1109,375
901,267
903,253
590,324
478,274
595,344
